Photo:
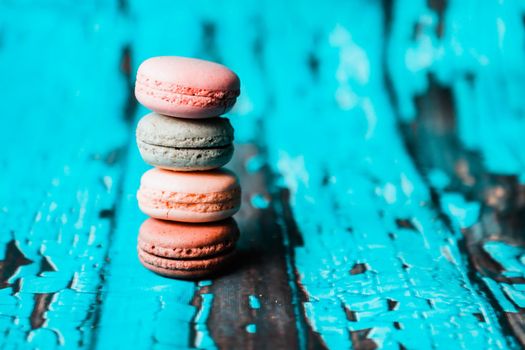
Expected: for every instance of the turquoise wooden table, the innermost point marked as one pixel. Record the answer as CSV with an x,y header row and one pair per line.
x,y
381,149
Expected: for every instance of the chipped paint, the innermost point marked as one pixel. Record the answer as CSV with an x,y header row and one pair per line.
x,y
375,209
205,283
55,188
259,201
255,163
508,256
251,328
497,293
254,302
480,58
203,339
463,213
511,259
375,260
438,179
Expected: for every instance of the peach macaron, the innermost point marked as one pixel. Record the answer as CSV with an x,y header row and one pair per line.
x,y
200,196
186,87
185,250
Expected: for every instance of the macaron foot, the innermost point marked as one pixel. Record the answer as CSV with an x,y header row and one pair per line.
x,y
186,269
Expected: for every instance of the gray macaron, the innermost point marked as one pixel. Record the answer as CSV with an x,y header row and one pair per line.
x,y
185,144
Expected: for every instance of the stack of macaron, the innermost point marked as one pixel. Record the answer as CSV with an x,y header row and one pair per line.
x,y
190,200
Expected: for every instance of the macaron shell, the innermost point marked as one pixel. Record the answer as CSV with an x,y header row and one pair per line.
x,y
185,269
218,180
185,159
190,73
160,130
178,240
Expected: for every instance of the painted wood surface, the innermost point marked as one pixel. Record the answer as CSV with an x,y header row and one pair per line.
x,y
380,148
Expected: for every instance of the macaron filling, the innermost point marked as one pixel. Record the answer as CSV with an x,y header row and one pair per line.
x,y
187,253
184,90
225,147
206,264
185,159
196,202
176,94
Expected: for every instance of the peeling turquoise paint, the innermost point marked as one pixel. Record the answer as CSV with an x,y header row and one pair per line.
x,y
480,58
357,197
58,172
203,339
508,256
251,328
331,135
511,260
463,213
438,179
254,302
259,201
255,163
516,293
497,293
205,283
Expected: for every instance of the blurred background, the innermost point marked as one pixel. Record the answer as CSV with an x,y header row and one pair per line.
x,y
374,116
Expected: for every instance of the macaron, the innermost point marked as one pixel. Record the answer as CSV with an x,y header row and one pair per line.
x,y
185,144
200,196
186,87
183,250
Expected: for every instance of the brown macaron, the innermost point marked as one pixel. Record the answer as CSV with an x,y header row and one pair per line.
x,y
186,250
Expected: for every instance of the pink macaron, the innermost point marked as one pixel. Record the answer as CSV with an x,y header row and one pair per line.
x,y
184,250
201,196
186,87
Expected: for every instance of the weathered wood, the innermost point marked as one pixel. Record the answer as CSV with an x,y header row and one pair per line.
x,y
348,239
60,97
258,299
359,203
435,146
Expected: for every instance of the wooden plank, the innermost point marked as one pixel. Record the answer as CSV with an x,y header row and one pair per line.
x,y
62,131
378,265
436,148
466,138
343,244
